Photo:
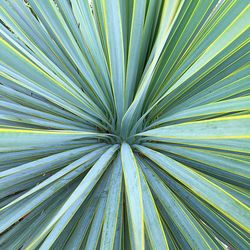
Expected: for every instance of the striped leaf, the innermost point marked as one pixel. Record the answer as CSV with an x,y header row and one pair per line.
x,y
124,124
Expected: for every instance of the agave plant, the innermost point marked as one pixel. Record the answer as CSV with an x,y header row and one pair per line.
x,y
124,124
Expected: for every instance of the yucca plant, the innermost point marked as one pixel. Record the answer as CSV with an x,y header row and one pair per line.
x,y
124,124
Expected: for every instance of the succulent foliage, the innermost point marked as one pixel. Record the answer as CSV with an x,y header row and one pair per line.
x,y
124,124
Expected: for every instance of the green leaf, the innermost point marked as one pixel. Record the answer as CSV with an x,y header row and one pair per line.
x,y
191,230
134,196
152,218
110,223
124,124
74,201
18,137
222,201
235,127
